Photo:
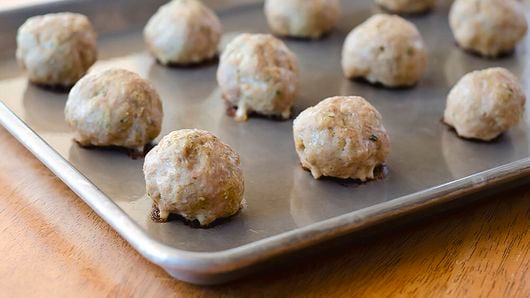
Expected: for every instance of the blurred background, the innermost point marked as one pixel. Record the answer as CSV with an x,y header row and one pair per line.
x,y
17,3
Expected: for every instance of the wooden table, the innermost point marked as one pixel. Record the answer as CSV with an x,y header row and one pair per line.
x,y
52,244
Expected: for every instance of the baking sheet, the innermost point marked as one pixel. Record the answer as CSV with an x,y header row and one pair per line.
x,y
287,209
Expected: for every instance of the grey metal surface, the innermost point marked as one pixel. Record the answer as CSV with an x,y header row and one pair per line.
x,y
287,209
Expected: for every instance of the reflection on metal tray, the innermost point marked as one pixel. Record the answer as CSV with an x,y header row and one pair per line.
x,y
287,210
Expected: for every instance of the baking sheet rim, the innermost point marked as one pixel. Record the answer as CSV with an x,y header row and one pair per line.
x,y
224,261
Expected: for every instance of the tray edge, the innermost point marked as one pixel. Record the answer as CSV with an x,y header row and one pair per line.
x,y
222,266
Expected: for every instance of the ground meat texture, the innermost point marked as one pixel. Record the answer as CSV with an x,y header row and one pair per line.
x,y
114,108
385,49
488,27
183,32
302,18
341,137
56,49
484,104
258,73
193,174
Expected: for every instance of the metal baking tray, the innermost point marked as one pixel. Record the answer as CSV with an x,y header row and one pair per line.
x,y
287,210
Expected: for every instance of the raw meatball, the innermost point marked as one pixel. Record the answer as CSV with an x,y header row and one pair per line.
x,y
56,49
407,6
258,73
488,27
302,18
193,174
114,108
341,137
183,32
484,104
385,49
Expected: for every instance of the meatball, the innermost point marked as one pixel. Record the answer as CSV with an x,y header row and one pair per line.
x,y
484,104
258,73
302,18
183,32
385,49
56,49
341,137
407,6
488,27
193,174
114,108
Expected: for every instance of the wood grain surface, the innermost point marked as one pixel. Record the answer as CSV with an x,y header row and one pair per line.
x,y
52,244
